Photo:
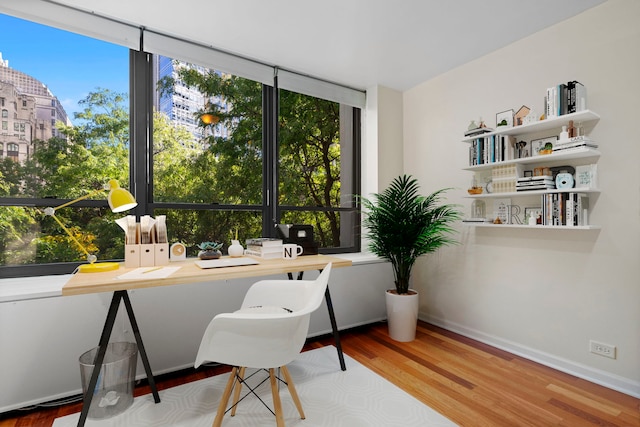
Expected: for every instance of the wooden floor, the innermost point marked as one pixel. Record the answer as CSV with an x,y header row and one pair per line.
x,y
471,383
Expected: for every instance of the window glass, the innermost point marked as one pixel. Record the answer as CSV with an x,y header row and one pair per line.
x,y
207,137
69,106
315,161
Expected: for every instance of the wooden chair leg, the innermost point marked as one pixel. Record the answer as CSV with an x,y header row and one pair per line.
x,y
236,391
276,398
222,407
292,391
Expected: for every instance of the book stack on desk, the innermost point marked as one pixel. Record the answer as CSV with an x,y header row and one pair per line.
x,y
264,247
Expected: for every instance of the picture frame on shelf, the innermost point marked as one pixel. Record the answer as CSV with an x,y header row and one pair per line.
x,y
538,144
528,173
501,208
586,176
504,119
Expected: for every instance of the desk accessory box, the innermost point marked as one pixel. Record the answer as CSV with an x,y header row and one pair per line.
x,y
299,234
146,242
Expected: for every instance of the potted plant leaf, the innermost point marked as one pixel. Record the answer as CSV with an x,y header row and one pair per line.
x,y
401,226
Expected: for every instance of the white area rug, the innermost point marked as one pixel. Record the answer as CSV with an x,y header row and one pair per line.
x,y
330,397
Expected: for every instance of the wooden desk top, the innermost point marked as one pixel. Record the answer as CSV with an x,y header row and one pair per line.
x,y
89,283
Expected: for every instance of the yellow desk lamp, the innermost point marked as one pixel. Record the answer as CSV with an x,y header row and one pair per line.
x,y
120,200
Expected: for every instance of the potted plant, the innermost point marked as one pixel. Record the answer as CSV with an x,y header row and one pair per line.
x,y
209,250
403,225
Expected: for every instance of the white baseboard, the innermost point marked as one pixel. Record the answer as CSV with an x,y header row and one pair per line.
x,y
597,376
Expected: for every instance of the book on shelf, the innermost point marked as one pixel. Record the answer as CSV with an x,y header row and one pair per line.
x,y
491,149
477,131
576,97
568,209
264,241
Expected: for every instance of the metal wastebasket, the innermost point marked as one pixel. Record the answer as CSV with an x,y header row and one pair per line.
x,y
114,390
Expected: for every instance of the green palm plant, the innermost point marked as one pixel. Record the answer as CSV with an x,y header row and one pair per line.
x,y
403,225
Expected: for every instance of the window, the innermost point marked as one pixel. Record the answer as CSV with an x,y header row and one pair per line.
x,y
223,182
274,155
47,170
13,151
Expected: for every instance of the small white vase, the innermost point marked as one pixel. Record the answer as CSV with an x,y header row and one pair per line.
x,y
236,249
402,315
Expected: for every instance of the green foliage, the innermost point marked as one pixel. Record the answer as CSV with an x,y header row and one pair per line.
x,y
309,167
403,225
210,246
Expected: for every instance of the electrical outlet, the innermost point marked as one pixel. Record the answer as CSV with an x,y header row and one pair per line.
x,y
606,350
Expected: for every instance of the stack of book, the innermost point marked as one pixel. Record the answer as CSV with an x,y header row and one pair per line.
x,y
529,183
575,142
264,247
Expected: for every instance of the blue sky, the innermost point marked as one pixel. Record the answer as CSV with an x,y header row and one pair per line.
x,y
70,65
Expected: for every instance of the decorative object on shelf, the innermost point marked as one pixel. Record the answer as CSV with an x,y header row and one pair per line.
x,y
504,119
530,118
564,180
478,210
120,200
523,149
209,250
489,186
401,226
475,189
538,146
564,135
513,211
518,118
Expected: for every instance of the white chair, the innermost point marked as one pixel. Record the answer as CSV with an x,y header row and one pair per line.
x,y
268,332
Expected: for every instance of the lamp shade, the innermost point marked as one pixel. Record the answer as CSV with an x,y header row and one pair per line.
x,y
120,200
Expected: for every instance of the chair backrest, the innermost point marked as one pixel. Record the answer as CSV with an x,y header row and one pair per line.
x,y
270,328
293,295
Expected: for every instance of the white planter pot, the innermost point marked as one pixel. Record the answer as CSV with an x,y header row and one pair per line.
x,y
402,315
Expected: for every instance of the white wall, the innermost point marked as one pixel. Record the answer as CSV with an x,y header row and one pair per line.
x,y
541,293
